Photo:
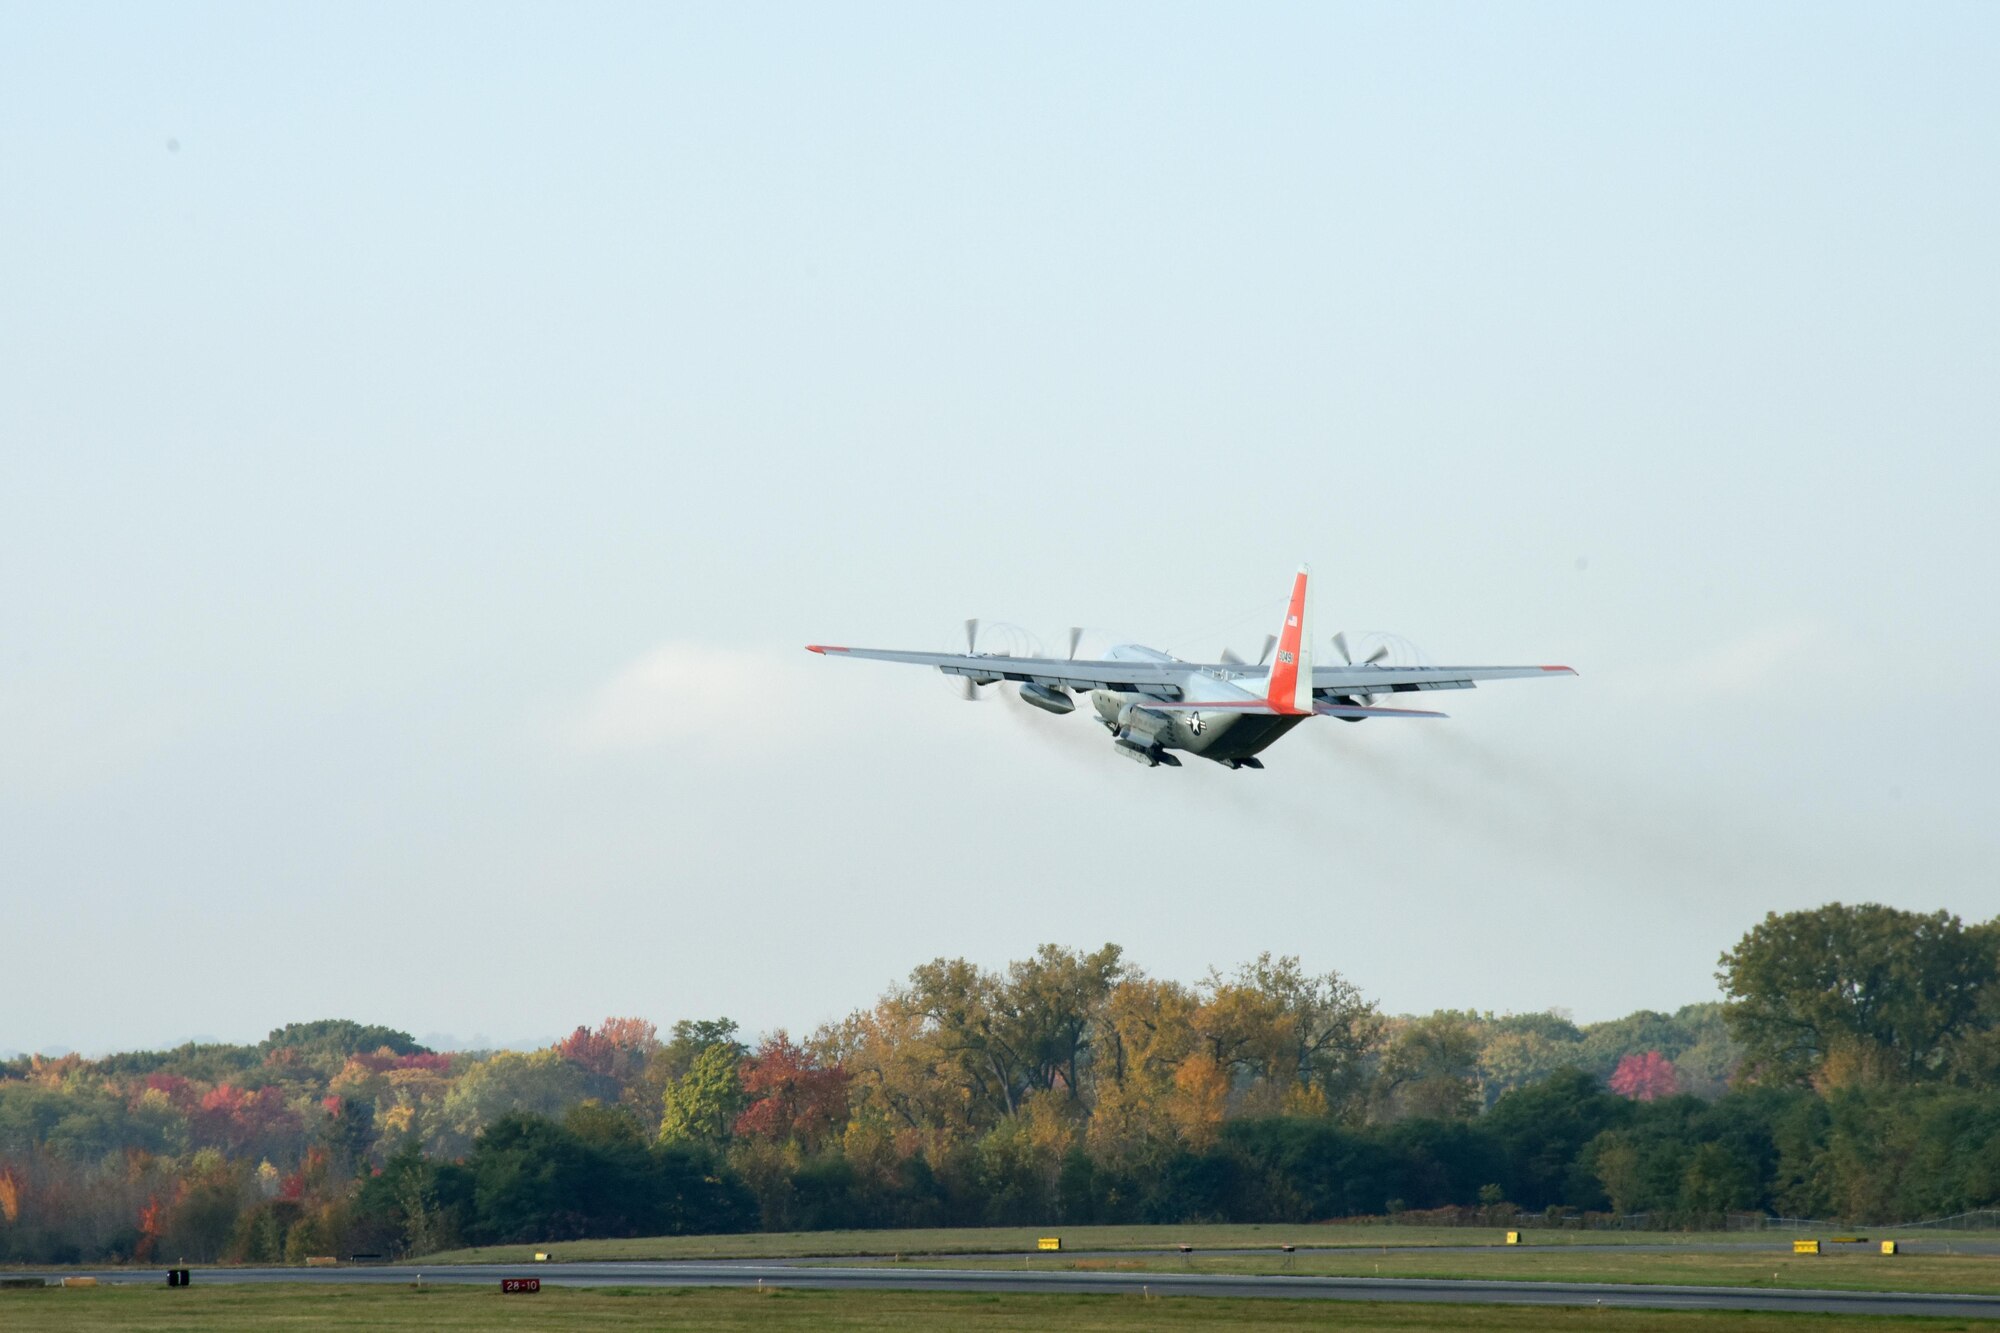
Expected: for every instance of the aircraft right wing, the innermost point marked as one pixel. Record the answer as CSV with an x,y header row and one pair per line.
x,y
1366,679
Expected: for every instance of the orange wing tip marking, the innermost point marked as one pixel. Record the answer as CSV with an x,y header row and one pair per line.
x,y
823,648
1567,671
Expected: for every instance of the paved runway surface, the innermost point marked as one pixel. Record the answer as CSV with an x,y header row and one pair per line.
x,y
827,1277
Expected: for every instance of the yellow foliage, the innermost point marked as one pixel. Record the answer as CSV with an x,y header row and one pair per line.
x,y
1052,1124
418,1084
1200,1100
10,1197
355,1079
48,1073
1305,1101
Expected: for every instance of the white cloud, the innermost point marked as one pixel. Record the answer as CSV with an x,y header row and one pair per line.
x,y
682,693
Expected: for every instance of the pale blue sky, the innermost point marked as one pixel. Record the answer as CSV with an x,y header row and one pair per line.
x,y
428,434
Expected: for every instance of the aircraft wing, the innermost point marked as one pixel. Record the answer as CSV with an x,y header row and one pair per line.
x,y
1400,679
1165,677
1128,677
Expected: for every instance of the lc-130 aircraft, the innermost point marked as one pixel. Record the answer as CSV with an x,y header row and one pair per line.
x,y
1154,704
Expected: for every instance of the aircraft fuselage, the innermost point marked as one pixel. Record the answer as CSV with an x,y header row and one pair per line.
x,y
1224,735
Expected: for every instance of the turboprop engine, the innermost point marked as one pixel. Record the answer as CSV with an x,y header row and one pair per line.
x,y
1047,699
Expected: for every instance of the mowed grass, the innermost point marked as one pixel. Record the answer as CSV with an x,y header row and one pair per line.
x,y
324,1307
1769,1266
1015,1240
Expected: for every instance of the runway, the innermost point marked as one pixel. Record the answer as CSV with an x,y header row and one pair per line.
x,y
1284,1287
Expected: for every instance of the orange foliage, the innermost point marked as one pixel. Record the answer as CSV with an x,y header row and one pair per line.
x,y
149,1230
51,1073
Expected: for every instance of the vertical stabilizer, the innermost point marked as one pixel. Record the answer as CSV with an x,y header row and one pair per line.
x,y
1291,685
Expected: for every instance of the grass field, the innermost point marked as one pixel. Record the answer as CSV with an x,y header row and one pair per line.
x,y
306,1307
1771,1266
989,1240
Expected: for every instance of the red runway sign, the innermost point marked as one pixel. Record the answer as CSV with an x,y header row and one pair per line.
x,y
510,1285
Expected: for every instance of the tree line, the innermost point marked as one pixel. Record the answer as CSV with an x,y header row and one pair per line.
x,y
1848,1072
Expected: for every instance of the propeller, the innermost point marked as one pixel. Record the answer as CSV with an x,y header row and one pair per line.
x,y
1233,658
1340,646
968,689
1075,637
1000,639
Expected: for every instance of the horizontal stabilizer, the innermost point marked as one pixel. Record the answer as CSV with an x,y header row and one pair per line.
x,y
1263,706
1355,710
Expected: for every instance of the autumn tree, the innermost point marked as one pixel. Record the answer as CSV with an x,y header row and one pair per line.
x,y
1287,1039
1144,1102
794,1097
1645,1076
617,1049
978,1044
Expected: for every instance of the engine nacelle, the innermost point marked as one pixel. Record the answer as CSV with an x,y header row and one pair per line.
x,y
1047,699
1136,720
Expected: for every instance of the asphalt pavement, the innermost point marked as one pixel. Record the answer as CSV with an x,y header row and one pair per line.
x,y
1280,1286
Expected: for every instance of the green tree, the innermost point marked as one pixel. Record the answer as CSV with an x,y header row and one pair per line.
x,y
1543,1129
539,1082
1512,1058
340,1036
1860,995
689,1038
701,1105
1429,1069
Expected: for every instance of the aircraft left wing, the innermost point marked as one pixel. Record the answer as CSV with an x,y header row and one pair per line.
x,y
1126,677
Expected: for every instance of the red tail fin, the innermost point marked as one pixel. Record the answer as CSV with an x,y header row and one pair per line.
x,y
1291,688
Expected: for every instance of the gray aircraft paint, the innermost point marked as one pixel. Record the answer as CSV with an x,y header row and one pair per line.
x,y
1150,701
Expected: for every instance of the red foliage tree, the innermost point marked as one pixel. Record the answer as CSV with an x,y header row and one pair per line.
x,y
588,1050
793,1095
616,1050
1644,1077
437,1062
179,1091
243,1124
